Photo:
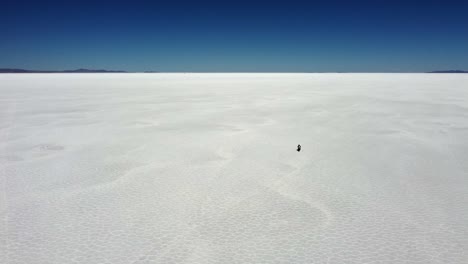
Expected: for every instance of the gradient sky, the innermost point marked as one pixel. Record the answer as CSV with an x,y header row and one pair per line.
x,y
223,36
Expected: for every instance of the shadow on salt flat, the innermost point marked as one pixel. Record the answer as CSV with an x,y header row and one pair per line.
x,y
49,147
41,150
384,132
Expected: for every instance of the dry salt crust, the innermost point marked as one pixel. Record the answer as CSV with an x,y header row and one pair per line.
x,y
203,168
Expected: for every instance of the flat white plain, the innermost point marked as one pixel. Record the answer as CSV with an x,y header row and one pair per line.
x,y
203,168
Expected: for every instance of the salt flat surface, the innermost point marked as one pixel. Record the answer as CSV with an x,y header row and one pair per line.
x,y
203,168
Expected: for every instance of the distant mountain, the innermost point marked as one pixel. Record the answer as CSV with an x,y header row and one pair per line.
x,y
91,71
17,71
449,71
6,70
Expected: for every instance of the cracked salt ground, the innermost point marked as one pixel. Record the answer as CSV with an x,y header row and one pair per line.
x,y
201,168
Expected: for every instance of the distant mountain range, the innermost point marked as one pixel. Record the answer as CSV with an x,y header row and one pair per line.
x,y
449,71
64,71
9,70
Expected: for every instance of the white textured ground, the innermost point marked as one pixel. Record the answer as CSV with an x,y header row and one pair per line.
x,y
203,168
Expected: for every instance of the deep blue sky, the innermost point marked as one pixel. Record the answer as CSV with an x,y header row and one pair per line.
x,y
349,36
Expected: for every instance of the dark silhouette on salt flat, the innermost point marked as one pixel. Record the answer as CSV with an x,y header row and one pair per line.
x,y
449,71
8,70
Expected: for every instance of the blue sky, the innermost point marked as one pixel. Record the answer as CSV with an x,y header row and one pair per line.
x,y
245,36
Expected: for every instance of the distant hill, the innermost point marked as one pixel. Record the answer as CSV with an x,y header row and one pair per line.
x,y
6,70
91,71
449,71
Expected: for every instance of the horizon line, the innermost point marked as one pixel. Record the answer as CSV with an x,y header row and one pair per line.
x,y
86,70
